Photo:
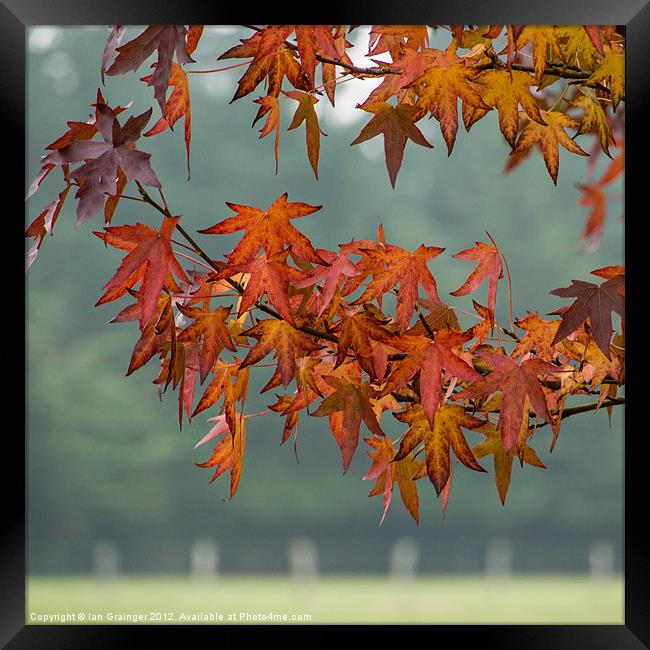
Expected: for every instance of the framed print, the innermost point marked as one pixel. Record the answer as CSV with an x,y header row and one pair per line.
x,y
325,324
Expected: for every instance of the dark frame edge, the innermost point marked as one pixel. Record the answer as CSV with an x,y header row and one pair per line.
x,y
637,562
12,542
633,634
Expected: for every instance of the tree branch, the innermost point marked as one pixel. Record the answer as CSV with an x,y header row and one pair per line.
x,y
218,266
564,73
567,413
352,68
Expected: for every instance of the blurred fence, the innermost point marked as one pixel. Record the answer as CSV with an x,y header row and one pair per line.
x,y
305,557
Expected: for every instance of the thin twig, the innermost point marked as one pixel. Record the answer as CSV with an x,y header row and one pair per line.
x,y
567,413
352,68
503,257
230,67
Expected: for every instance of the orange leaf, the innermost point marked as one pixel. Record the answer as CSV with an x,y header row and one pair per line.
x,y
228,454
388,473
489,267
178,105
271,106
396,124
270,229
439,440
287,342
306,113
352,401
549,138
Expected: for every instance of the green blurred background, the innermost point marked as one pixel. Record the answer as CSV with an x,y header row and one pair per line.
x,y
106,461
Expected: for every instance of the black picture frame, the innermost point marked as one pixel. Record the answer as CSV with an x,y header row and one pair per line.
x,y
17,15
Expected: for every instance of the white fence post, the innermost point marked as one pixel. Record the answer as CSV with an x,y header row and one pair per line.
x,y
601,559
106,560
404,559
498,558
204,559
303,560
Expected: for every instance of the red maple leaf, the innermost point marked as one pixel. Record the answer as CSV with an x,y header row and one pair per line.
x,y
152,249
430,358
516,382
270,229
489,267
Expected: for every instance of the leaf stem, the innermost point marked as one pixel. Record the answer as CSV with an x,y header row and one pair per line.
x,y
503,257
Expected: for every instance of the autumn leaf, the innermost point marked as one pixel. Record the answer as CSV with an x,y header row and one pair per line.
x,y
610,272
352,400
594,119
593,197
593,31
505,91
153,249
356,333
44,225
209,327
439,88
549,138
98,175
272,60
305,113
440,317
309,391
611,73
228,454
76,131
430,358
594,365
270,276
112,200
392,266
270,106
167,40
284,340
439,440
222,385
188,383
112,42
538,338
394,39
387,473
328,69
178,105
270,229
544,42
489,268
339,266
516,382
411,63
396,124
312,40
194,34
493,445
153,335
595,302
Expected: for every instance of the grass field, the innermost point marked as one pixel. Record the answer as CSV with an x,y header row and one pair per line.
x,y
364,599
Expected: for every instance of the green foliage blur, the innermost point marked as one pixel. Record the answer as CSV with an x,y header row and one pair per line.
x,y
106,460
